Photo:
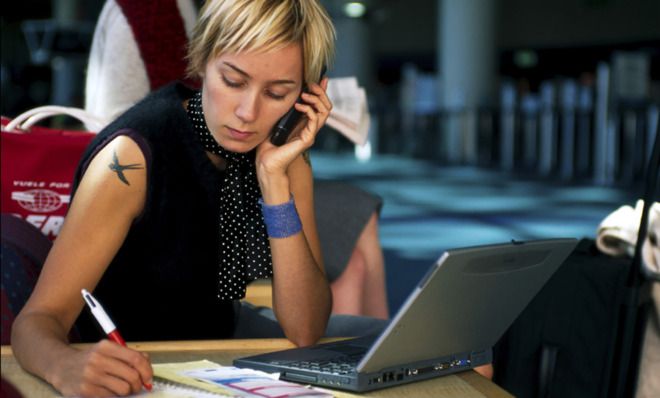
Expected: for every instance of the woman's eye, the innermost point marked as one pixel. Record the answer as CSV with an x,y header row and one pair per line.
x,y
274,96
231,83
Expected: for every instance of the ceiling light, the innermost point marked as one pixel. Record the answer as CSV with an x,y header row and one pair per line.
x,y
355,9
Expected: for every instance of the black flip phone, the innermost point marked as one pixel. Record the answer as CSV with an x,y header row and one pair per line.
x,y
283,128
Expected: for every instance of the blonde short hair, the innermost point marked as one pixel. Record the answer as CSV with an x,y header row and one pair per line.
x,y
230,26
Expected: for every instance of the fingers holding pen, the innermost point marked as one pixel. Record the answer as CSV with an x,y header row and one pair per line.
x,y
108,366
130,365
121,379
114,357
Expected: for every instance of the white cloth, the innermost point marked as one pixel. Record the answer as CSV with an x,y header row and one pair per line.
x,y
617,235
116,75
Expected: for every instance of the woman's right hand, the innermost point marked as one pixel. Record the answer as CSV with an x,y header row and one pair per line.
x,y
105,369
97,223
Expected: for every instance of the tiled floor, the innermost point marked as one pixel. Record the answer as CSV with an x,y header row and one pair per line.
x,y
429,208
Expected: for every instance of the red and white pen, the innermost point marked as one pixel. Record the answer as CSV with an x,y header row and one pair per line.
x,y
106,323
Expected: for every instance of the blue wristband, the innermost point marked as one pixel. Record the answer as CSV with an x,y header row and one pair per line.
x,y
281,220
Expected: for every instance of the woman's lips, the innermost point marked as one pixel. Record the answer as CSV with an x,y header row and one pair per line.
x,y
238,134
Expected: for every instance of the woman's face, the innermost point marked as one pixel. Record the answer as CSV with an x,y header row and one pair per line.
x,y
244,94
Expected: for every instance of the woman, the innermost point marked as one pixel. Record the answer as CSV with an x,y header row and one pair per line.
x,y
166,224
122,69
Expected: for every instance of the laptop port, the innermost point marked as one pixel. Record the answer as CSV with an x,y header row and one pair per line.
x,y
442,366
425,370
399,377
420,371
299,377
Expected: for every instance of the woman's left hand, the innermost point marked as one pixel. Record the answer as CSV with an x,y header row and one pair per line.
x,y
316,109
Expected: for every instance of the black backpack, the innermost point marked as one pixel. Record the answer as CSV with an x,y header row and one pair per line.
x,y
582,335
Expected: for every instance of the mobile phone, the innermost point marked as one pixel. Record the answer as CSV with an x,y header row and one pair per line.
x,y
283,128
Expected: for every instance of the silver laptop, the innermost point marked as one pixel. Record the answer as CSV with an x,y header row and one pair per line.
x,y
448,324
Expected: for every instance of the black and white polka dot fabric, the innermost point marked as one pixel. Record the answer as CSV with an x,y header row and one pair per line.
x,y
244,248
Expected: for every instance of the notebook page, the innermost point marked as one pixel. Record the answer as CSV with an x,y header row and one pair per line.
x,y
168,390
255,383
215,380
173,374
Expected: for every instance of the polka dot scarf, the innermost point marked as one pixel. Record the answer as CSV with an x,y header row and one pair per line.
x,y
245,251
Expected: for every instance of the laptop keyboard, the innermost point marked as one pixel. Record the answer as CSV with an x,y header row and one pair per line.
x,y
342,365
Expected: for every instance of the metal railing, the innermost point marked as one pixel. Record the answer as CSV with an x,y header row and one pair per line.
x,y
571,141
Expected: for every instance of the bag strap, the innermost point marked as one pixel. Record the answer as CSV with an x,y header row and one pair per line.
x,y
634,311
652,175
23,122
547,366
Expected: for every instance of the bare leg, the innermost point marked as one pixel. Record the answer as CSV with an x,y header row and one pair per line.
x,y
347,289
360,289
375,295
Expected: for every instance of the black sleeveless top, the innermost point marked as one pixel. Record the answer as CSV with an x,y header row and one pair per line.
x,y
162,284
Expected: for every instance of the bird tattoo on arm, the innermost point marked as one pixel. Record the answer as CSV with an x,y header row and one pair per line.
x,y
119,168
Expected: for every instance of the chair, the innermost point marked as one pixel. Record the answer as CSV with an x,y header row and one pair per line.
x,y
24,250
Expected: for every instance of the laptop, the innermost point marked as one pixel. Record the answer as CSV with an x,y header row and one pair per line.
x,y
448,324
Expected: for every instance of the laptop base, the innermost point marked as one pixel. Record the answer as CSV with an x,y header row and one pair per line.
x,y
295,371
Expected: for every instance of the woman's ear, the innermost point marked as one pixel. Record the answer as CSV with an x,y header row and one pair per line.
x,y
200,72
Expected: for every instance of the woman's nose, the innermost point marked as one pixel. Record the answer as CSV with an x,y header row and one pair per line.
x,y
248,108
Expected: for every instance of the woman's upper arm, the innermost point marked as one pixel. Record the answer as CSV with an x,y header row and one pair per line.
x,y
110,196
302,188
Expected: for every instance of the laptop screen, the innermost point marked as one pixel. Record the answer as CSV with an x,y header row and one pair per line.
x,y
466,301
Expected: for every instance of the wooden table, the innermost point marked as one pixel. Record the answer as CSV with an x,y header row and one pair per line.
x,y
465,384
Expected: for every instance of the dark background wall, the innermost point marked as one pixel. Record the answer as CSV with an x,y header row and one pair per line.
x,y
568,37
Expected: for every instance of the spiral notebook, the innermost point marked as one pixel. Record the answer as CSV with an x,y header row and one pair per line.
x,y
206,379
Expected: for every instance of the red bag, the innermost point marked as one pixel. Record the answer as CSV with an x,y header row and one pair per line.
x,y
38,165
